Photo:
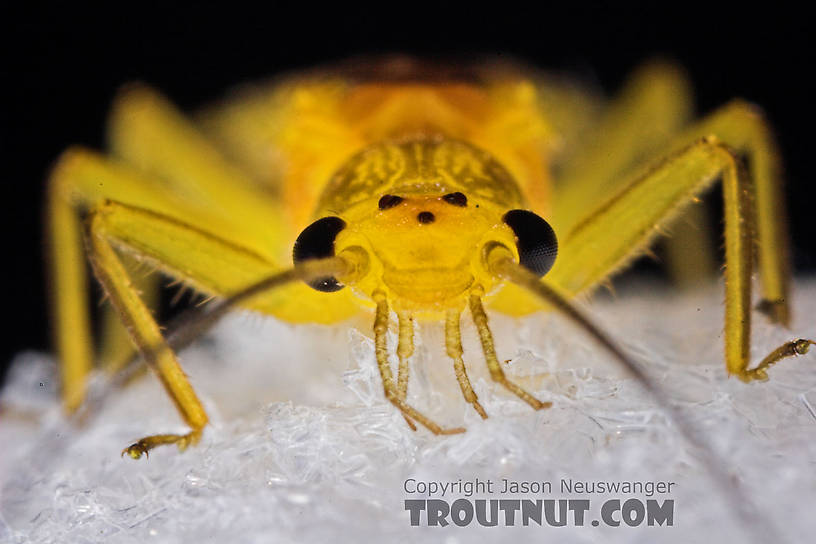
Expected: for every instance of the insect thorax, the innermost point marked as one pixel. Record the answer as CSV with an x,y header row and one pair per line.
x,y
421,165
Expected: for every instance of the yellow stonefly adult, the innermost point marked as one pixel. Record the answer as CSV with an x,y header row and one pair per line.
x,y
421,188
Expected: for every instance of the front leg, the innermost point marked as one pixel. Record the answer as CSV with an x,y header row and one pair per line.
x,y
145,334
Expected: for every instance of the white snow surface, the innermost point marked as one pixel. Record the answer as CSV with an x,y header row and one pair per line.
x,y
303,447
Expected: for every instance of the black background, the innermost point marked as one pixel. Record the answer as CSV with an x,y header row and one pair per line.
x,y
62,63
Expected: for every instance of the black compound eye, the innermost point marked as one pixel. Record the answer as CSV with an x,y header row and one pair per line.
x,y
535,240
389,201
317,242
457,199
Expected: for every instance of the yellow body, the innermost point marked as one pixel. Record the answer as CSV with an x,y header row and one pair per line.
x,y
217,203
333,145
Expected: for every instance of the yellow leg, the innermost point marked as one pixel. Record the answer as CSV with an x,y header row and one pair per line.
x,y
496,372
153,137
144,445
69,296
788,349
570,109
172,170
80,180
115,346
405,348
391,393
688,251
453,345
198,258
202,259
742,127
609,237
654,105
148,339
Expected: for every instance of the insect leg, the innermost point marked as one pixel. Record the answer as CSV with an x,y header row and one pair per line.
x,y
489,349
391,393
405,348
79,179
788,349
453,345
152,136
147,337
615,232
198,258
115,348
501,262
653,106
742,127
69,296
185,328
